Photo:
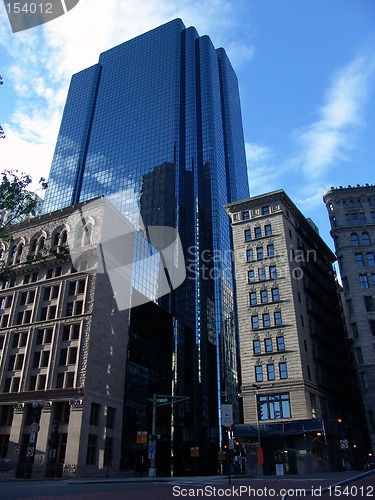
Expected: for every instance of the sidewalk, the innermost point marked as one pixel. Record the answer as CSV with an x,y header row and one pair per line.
x,y
334,476
133,477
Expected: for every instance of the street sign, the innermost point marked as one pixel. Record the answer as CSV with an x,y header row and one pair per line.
x,y
231,444
141,437
32,438
151,449
160,400
279,469
30,451
34,428
17,449
226,415
344,444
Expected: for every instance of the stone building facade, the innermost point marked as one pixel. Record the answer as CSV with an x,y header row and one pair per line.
x,y
294,361
351,212
63,345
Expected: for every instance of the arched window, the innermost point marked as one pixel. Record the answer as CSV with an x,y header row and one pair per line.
x,y
59,239
354,239
56,238
62,242
63,238
19,253
33,246
82,232
366,238
12,253
40,245
87,233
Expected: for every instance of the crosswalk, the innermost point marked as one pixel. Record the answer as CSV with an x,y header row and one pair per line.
x,y
201,482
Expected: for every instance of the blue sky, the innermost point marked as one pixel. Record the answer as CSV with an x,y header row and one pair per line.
x,y
306,70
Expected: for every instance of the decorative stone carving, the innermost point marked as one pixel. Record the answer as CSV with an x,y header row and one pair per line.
x,y
18,407
76,405
47,407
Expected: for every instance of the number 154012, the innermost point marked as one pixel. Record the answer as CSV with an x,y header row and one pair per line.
x,y
351,491
29,8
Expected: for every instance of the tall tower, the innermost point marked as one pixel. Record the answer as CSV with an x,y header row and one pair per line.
x,y
351,212
159,116
296,377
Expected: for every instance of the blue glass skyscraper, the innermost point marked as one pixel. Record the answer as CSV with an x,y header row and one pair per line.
x,y
160,115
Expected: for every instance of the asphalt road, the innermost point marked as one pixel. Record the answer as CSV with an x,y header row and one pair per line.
x,y
189,487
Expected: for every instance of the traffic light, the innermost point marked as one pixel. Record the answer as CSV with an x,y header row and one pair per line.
x,y
340,426
259,409
237,447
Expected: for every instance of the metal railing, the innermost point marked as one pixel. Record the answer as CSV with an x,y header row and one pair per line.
x,y
330,488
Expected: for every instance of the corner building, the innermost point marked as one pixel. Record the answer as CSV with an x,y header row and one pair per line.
x,y
351,212
62,354
296,377
159,117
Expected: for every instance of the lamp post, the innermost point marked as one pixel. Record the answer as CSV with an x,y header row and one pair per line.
x,y
255,391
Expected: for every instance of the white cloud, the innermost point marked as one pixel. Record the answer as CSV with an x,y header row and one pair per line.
x,y
43,60
310,197
24,155
322,144
263,171
256,153
330,138
239,53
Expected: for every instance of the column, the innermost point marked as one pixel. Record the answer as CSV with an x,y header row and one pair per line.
x,y
73,461
16,432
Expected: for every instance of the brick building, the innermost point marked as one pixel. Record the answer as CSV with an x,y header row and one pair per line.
x,y
63,346
351,212
295,365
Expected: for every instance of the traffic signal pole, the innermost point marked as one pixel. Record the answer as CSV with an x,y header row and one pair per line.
x,y
159,400
152,470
